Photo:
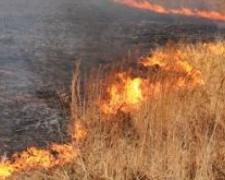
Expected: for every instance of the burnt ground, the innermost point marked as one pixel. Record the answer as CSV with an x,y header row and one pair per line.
x,y
40,41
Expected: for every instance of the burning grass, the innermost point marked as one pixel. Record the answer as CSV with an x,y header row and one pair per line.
x,y
160,118
147,5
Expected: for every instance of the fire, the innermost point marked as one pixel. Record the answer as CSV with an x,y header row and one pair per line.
x,y
148,6
163,72
80,132
32,158
217,49
6,169
124,94
37,158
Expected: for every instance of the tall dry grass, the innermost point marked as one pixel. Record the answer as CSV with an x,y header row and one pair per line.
x,y
180,135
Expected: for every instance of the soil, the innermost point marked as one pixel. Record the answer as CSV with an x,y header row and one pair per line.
x,y
41,39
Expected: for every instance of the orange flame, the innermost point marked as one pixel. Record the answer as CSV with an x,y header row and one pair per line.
x,y
124,94
6,169
216,49
35,158
148,6
127,93
32,158
80,132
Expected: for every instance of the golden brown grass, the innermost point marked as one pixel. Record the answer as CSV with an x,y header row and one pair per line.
x,y
176,136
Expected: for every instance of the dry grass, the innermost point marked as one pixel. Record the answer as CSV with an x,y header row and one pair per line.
x,y
177,136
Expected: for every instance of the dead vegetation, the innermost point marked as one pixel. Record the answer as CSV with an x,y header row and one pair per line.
x,y
178,135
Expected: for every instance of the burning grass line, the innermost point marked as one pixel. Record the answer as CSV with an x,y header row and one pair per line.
x,y
162,71
34,158
148,6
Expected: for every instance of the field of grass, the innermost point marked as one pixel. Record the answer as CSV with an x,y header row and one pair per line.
x,y
177,135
